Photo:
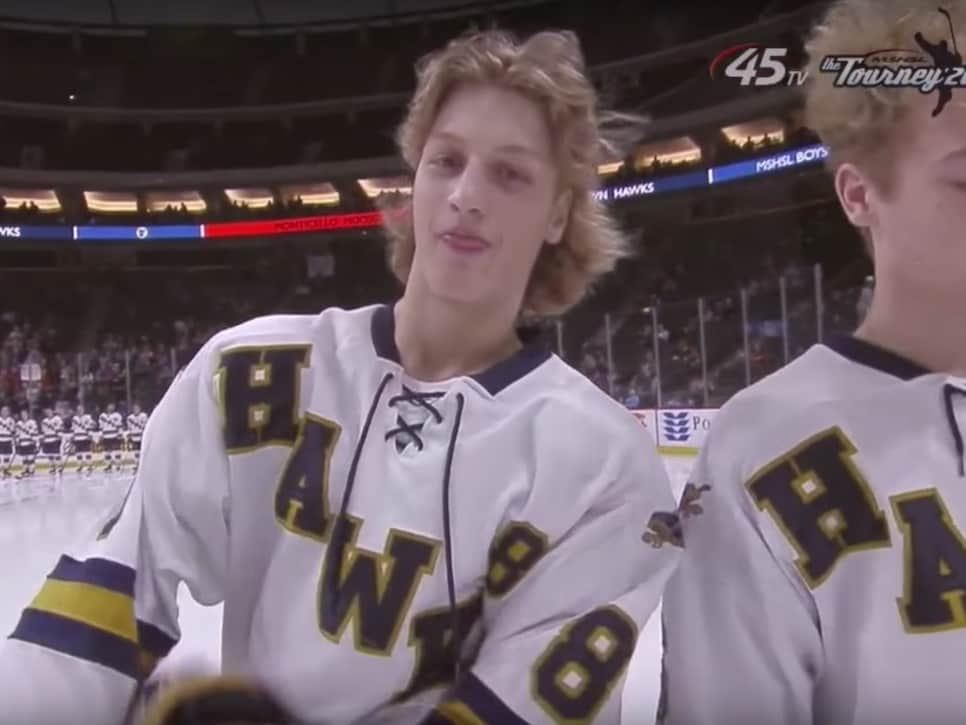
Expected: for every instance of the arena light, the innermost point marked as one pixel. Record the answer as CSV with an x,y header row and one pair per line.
x,y
255,198
111,202
159,201
323,194
43,199
610,169
374,188
765,129
678,150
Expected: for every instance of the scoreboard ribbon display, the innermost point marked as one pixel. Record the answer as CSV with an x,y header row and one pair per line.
x,y
94,233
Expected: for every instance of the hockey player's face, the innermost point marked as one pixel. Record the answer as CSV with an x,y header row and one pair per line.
x,y
485,197
919,223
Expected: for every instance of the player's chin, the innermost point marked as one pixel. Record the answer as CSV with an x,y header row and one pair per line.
x,y
459,295
458,283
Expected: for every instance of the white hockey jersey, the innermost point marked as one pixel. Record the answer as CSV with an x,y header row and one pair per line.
x,y
824,570
136,422
515,509
27,430
110,424
83,426
52,427
8,428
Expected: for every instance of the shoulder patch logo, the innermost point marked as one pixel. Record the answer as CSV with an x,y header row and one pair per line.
x,y
690,504
664,527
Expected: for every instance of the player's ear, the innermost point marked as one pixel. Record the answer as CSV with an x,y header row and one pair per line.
x,y
853,190
559,216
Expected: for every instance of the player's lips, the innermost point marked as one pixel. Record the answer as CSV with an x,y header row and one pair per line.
x,y
464,242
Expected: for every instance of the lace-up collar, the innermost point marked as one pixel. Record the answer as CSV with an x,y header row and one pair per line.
x,y
406,432
494,379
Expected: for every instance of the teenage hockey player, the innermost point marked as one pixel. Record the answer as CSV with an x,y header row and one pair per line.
x,y
83,428
51,441
8,433
137,420
412,513
824,530
110,424
27,435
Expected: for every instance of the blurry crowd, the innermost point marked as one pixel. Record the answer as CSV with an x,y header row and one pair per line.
x,y
699,314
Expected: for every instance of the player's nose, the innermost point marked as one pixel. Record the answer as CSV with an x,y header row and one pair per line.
x,y
467,191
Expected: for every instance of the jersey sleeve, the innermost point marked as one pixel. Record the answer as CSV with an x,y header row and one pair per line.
x,y
741,641
565,602
107,612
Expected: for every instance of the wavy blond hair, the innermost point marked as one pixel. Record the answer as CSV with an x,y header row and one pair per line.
x,y
549,68
863,125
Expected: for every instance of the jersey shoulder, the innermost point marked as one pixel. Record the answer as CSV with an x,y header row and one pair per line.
x,y
580,399
330,330
779,412
581,428
280,328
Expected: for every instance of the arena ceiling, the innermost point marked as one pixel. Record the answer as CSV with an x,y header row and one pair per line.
x,y
252,14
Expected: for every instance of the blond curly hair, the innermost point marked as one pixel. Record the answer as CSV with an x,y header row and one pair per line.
x,y
549,68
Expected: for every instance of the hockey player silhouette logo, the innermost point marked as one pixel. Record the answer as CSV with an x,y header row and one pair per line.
x,y
933,66
944,58
691,500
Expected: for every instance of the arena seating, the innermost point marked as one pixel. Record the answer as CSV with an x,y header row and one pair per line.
x,y
140,326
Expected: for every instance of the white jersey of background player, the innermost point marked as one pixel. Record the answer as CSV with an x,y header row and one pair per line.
x,y
51,440
27,435
824,531
506,497
82,428
110,423
8,431
137,421
27,428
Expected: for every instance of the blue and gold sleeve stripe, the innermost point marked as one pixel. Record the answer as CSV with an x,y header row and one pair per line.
x,y
473,703
85,609
153,646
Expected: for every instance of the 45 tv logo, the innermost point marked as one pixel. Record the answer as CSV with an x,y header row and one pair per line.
x,y
756,65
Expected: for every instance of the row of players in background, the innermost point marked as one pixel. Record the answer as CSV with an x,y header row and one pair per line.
x,y
58,437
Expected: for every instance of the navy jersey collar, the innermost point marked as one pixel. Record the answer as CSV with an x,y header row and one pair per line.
x,y
878,358
494,379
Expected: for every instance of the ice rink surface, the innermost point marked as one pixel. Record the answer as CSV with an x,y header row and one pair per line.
x,y
34,532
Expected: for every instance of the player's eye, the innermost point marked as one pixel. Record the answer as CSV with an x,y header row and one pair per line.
x,y
508,174
445,161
